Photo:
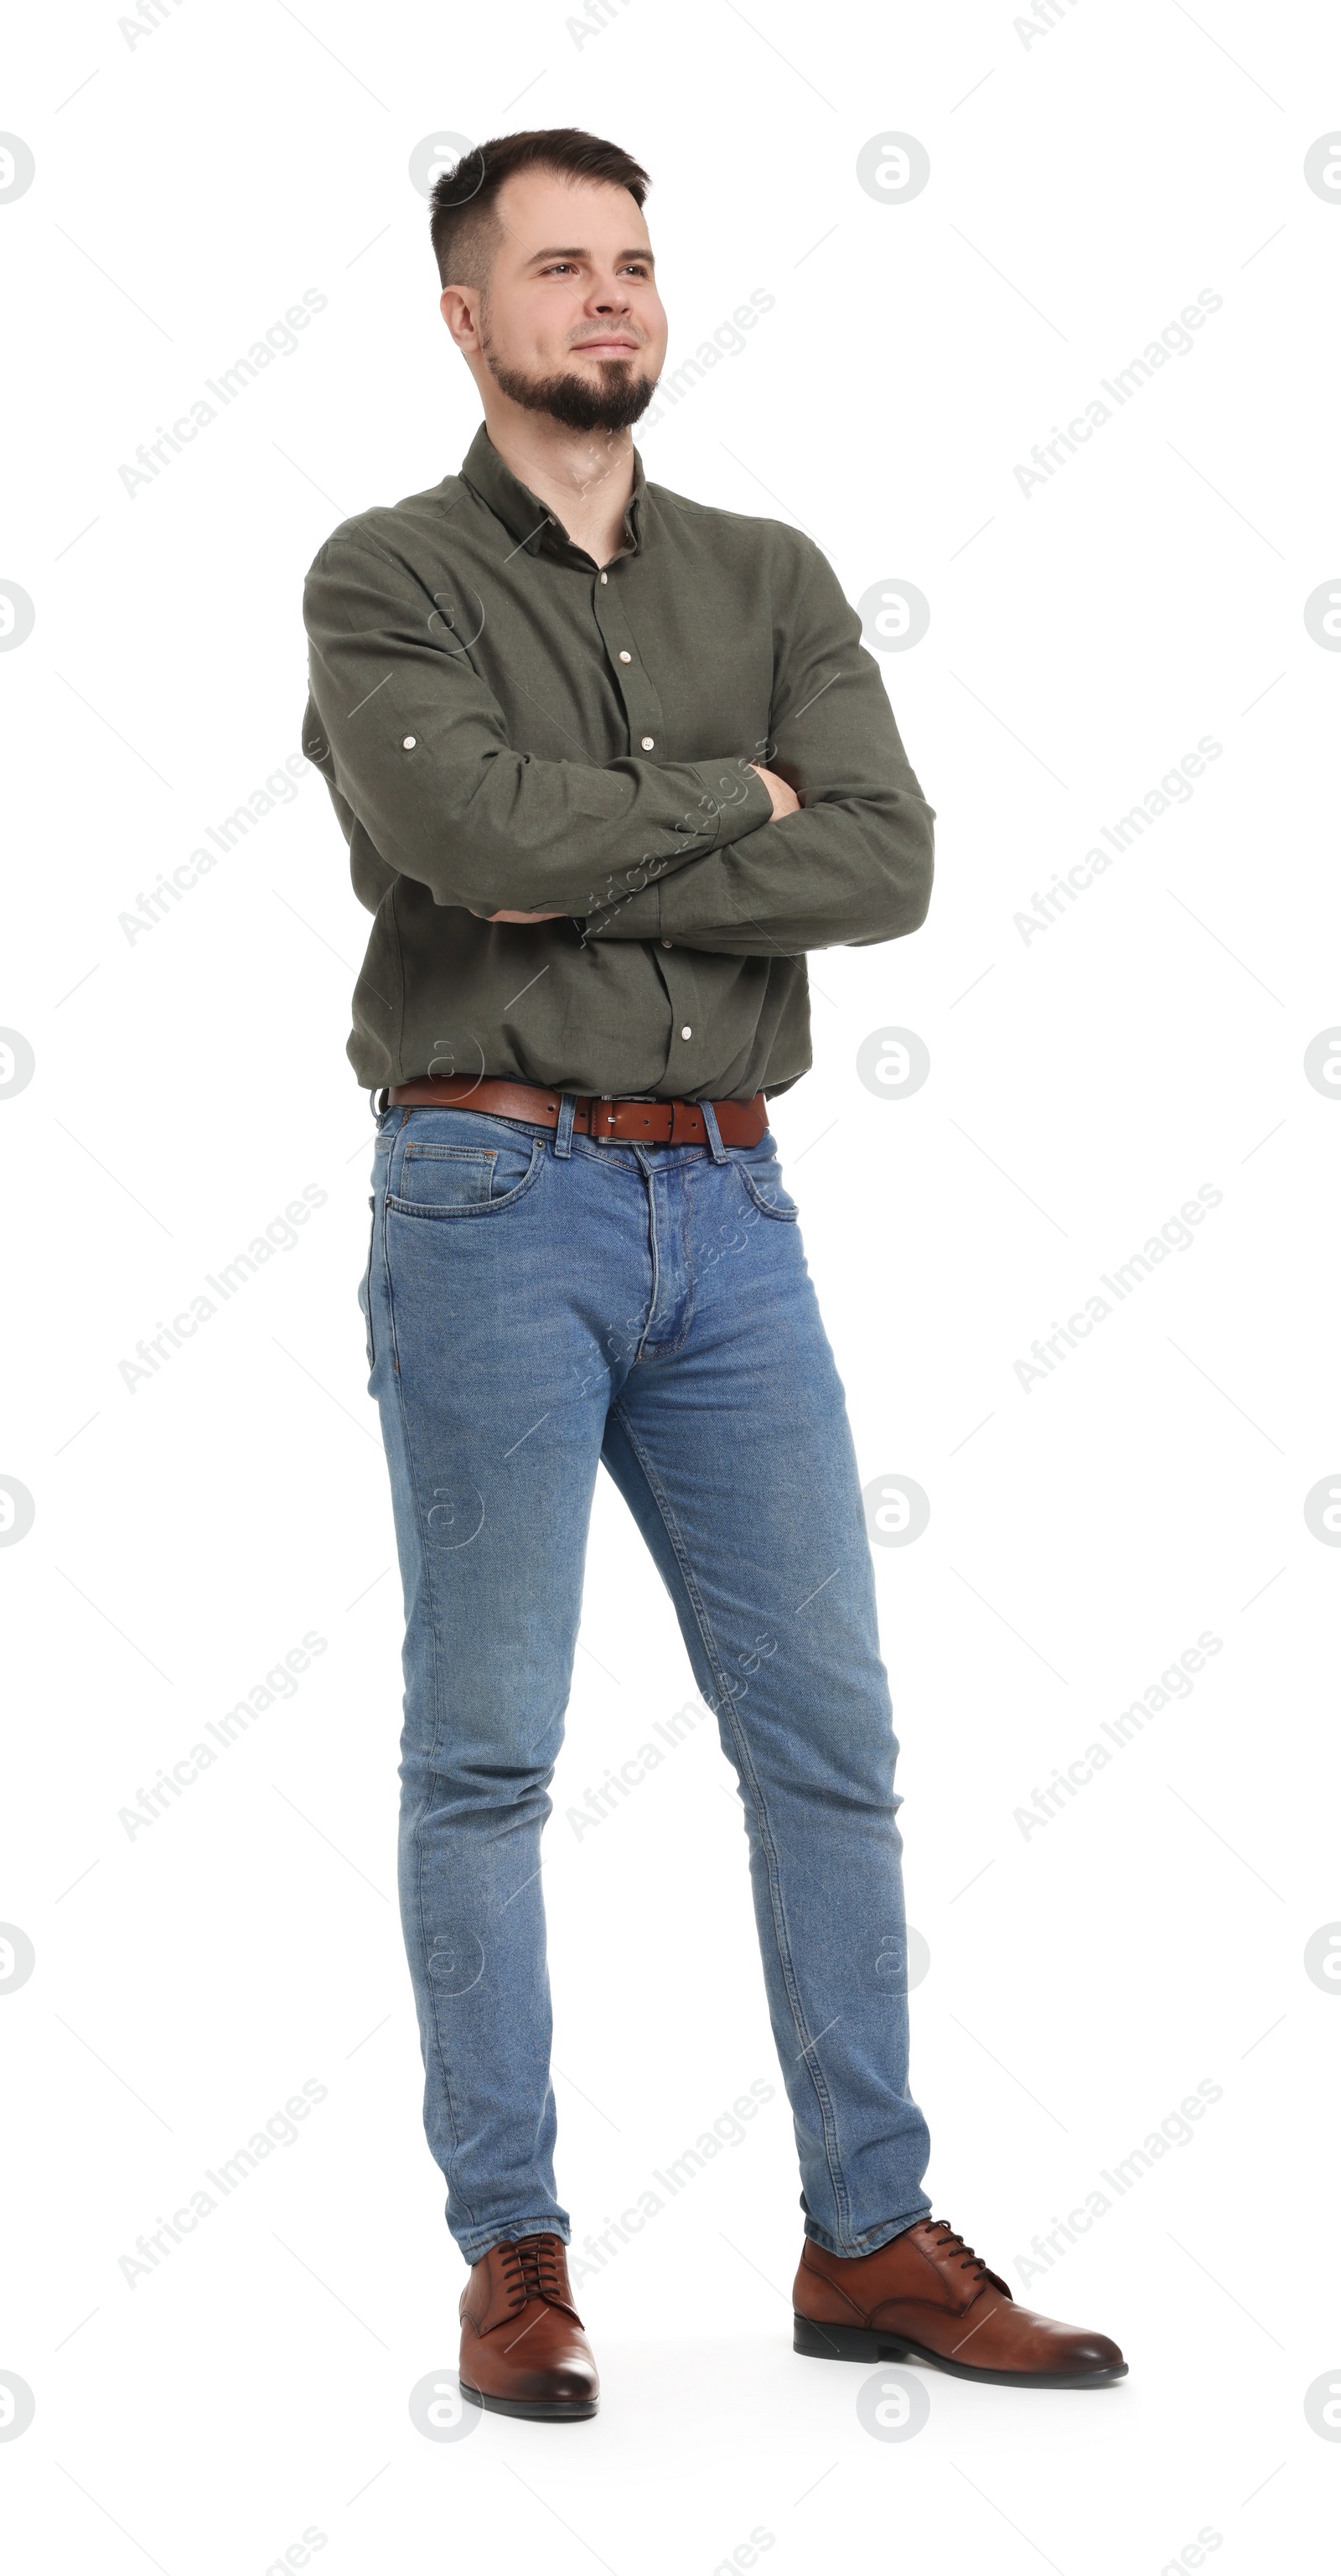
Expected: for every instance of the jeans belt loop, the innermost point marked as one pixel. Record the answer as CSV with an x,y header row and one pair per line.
x,y
719,1152
563,1133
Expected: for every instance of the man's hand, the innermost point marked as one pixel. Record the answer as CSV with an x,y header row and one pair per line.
x,y
785,800
521,916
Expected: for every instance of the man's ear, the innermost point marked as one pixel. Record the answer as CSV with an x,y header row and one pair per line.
x,y
460,309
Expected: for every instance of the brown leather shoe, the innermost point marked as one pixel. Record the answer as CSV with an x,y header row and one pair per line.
x,y
926,2296
523,2351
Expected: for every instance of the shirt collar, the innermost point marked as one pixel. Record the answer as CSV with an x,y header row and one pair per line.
x,y
529,520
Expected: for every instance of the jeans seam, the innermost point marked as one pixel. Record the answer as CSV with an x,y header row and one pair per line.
x,y
385,1186
437,2030
368,1279
823,2101
429,1580
668,1350
655,1251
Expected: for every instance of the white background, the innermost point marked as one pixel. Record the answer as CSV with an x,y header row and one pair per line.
x,y
1084,187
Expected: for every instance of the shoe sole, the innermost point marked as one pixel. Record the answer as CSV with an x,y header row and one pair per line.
x,y
536,2410
862,2343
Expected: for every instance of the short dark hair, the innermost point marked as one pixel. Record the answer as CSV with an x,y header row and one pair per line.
x,y
463,226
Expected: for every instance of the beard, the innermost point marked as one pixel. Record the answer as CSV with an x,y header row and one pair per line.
x,y
620,395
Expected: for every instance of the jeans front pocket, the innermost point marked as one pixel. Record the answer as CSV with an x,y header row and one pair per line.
x,y
437,1179
763,1181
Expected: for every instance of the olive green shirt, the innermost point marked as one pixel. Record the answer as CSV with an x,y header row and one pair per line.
x,y
504,726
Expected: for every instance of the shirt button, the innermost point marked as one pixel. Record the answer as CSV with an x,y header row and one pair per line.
x,y
408,744
626,657
666,943
686,1033
648,744
605,576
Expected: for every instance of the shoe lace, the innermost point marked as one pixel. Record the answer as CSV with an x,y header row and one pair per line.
x,y
946,2241
532,2269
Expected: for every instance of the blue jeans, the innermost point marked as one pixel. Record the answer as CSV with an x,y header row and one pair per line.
x,y
537,1304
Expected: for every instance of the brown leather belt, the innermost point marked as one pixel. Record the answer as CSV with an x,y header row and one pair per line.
x,y
634,1122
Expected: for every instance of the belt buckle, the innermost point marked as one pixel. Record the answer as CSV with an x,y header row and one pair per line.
x,y
629,1100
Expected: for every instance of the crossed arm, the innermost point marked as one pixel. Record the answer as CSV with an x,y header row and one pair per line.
x,y
784,801
829,844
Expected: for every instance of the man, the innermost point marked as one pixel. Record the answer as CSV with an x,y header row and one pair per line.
x,y
608,764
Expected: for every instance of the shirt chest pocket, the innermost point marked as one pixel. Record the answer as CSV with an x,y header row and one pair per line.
x,y
464,1180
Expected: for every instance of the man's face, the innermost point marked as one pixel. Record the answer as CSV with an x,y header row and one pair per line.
x,y
571,323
